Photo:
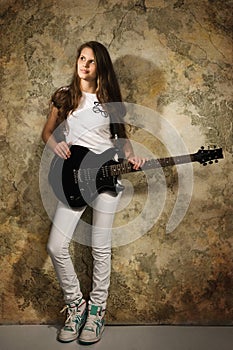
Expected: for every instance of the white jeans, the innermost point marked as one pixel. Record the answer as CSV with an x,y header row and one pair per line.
x,y
64,224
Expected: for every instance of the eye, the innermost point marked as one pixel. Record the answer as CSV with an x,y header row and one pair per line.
x,y
92,61
82,58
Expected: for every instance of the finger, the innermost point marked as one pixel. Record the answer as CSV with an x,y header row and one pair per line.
x,y
62,150
60,153
137,162
65,149
143,161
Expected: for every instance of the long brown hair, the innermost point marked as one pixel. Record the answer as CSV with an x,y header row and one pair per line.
x,y
67,98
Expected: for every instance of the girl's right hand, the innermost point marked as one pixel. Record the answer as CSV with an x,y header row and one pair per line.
x,y
62,150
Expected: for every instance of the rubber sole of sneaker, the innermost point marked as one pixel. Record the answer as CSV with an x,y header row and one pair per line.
x,y
75,337
66,341
89,342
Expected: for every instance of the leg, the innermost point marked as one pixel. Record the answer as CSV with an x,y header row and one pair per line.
x,y
64,224
104,209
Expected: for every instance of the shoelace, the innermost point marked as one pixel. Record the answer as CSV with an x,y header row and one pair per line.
x,y
71,311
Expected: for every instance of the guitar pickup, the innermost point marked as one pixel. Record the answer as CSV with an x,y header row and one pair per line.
x,y
76,174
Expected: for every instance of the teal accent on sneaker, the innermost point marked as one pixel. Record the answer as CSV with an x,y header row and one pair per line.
x,y
94,326
94,310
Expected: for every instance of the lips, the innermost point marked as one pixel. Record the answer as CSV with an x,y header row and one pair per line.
x,y
84,71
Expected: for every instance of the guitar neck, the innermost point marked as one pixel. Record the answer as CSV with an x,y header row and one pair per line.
x,y
169,161
127,167
202,156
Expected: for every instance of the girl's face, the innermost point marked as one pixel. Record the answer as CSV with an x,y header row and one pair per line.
x,y
86,65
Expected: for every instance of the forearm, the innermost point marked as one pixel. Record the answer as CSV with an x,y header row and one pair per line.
x,y
128,149
59,148
49,139
137,162
48,130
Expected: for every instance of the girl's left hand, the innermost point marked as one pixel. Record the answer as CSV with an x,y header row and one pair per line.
x,y
137,162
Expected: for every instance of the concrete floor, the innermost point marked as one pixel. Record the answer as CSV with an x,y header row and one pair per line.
x,y
121,338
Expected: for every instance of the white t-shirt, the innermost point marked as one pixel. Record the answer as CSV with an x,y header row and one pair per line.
x,y
88,126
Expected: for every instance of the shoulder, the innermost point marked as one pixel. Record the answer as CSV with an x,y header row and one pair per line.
x,y
64,88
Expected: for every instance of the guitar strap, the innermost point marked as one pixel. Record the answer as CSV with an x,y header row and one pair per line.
x,y
116,140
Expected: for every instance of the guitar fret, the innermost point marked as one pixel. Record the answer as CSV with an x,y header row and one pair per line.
x,y
120,168
173,160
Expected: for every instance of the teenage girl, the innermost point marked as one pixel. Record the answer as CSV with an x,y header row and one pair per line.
x,y
94,84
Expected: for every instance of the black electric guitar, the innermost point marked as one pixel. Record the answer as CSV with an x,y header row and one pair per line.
x,y
78,180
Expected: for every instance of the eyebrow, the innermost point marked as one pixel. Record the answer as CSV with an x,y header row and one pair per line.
x,y
91,59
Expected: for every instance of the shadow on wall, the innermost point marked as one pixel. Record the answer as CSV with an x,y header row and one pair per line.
x,y
140,80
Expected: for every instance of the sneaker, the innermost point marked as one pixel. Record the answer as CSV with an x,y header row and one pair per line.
x,y
94,326
76,317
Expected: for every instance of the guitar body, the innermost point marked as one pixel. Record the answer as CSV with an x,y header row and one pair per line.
x,y
78,180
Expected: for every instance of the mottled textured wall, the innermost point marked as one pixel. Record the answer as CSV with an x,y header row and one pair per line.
x,y
172,56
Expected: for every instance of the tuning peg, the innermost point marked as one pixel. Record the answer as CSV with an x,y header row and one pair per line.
x,y
216,161
210,162
204,164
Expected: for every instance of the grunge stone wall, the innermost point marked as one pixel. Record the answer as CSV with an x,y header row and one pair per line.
x,y
174,63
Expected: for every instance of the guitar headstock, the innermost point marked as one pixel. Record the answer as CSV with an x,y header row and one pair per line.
x,y
208,156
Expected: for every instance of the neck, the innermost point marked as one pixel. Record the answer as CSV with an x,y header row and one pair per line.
x,y
87,86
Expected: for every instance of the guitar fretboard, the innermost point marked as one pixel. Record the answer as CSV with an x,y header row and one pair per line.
x,y
126,167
